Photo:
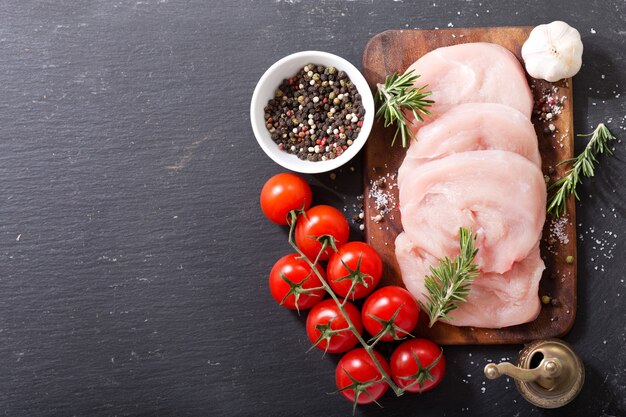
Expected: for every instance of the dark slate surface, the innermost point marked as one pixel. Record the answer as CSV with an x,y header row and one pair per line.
x,y
133,253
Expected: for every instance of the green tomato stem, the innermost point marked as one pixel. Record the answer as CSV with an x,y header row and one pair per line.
x,y
368,348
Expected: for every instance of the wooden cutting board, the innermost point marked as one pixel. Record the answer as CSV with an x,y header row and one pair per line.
x,y
393,51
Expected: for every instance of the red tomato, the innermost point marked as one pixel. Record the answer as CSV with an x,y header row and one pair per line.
x,y
325,317
358,365
422,375
354,262
392,309
295,294
283,193
320,221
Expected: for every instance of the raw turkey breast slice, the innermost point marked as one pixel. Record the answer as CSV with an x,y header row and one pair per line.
x,y
476,126
499,195
495,300
473,72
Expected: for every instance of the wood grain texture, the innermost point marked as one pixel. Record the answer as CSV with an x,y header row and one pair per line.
x,y
394,51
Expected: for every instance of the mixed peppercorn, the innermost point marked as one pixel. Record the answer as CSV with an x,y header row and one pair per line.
x,y
316,114
548,108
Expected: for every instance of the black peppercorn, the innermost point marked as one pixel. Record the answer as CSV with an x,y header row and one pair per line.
x,y
319,109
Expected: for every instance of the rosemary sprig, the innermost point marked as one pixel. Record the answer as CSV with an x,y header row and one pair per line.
x,y
397,95
449,282
584,163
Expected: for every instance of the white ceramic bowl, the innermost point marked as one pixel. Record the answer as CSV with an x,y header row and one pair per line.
x,y
288,67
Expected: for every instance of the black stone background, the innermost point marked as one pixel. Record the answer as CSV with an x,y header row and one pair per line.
x,y
133,254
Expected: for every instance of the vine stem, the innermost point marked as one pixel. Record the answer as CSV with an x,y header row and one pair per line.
x,y
368,348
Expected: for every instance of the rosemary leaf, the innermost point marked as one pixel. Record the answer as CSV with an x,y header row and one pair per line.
x,y
397,96
585,164
449,282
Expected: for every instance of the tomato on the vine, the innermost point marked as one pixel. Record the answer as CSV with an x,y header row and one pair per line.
x,y
317,223
358,263
294,284
390,309
418,365
358,379
283,193
326,318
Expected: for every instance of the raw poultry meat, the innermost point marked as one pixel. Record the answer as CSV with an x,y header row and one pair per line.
x,y
473,73
476,126
499,195
475,163
495,300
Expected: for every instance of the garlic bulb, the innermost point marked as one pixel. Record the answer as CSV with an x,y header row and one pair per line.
x,y
553,51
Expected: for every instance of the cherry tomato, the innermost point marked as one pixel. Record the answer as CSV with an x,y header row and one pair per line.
x,y
405,370
358,365
283,193
319,221
325,317
301,278
392,308
354,262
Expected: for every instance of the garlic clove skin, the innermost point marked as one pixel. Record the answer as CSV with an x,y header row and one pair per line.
x,y
553,51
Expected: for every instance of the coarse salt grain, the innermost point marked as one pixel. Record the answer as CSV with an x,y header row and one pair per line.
x,y
384,201
557,229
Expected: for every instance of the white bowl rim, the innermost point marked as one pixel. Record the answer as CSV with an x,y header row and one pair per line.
x,y
294,163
